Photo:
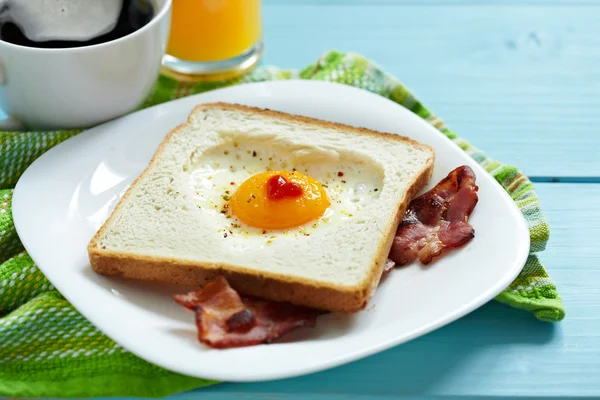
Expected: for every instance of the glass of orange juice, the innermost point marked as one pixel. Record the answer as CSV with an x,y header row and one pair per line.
x,y
214,39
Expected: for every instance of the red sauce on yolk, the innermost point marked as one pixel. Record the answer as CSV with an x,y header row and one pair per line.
x,y
279,188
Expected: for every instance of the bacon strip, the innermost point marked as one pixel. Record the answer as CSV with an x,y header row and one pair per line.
x,y
437,220
225,320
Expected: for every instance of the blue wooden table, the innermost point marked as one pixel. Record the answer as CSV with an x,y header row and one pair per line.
x,y
520,80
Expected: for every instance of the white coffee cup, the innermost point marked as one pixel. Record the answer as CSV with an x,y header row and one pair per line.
x,y
80,87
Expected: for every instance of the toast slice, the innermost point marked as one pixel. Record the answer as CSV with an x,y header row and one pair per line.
x,y
172,224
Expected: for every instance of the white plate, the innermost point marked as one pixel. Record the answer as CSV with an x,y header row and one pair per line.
x,y
64,197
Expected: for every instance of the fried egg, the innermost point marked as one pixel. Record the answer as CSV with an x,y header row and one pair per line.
x,y
234,182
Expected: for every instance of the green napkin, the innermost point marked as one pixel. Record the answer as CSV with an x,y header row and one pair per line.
x,y
47,349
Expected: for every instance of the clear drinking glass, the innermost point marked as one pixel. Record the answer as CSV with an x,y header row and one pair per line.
x,y
213,39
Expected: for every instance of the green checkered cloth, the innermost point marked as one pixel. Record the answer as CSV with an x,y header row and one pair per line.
x,y
47,349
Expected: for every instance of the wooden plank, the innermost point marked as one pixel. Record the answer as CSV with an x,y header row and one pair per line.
x,y
494,351
520,82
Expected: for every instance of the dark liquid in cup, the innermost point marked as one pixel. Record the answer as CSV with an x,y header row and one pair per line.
x,y
133,16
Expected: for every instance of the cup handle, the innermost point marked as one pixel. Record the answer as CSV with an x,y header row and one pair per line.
x,y
7,122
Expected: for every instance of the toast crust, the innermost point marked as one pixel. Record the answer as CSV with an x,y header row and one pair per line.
x,y
267,285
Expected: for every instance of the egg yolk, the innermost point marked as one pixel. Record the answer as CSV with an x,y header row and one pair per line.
x,y
279,200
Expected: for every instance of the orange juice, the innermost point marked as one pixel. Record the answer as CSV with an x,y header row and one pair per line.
x,y
213,30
